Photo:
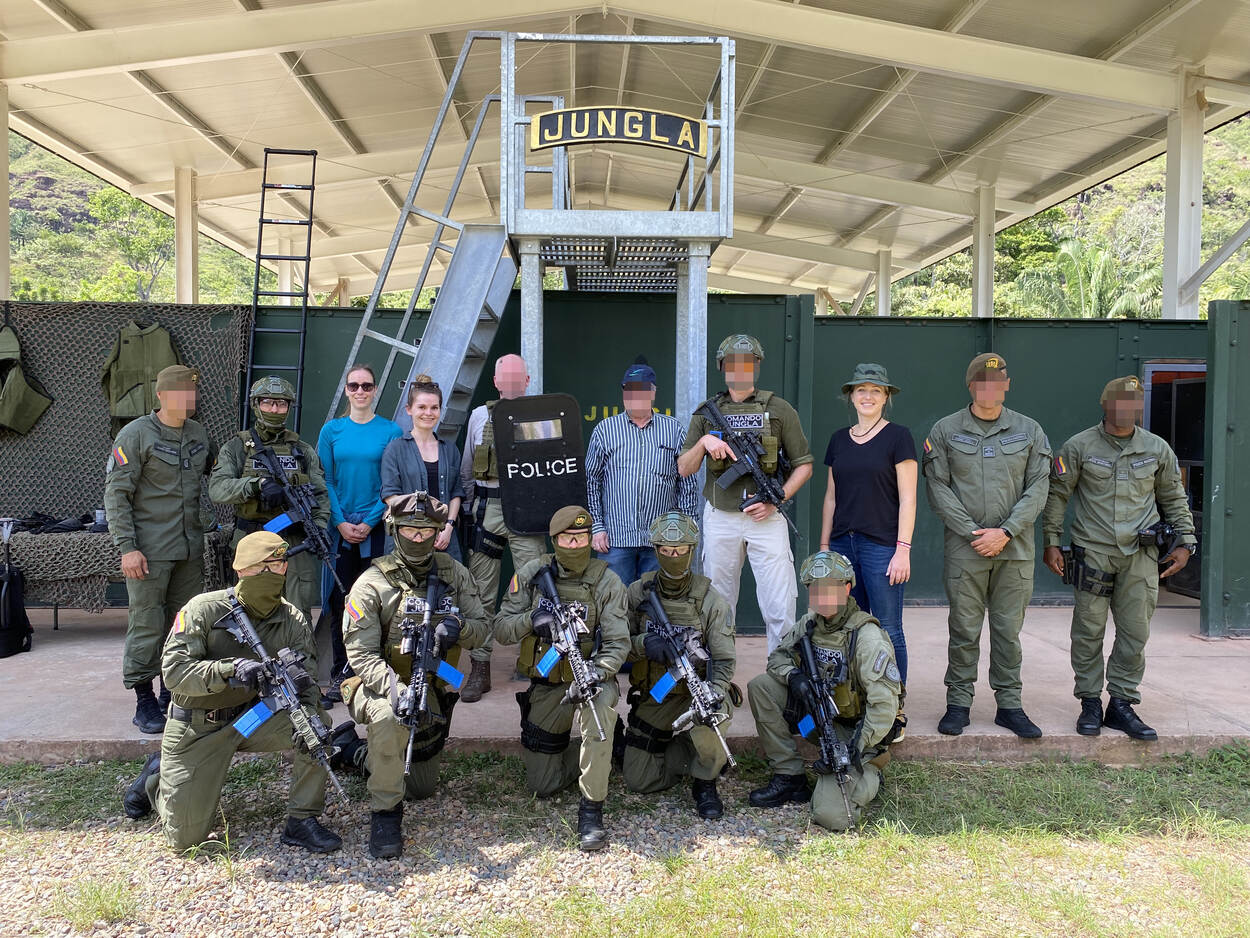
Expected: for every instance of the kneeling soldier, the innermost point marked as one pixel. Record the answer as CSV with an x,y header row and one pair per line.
x,y
590,600
214,679
658,754
390,598
856,661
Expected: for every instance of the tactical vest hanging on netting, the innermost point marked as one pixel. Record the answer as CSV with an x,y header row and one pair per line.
x,y
22,399
294,462
129,374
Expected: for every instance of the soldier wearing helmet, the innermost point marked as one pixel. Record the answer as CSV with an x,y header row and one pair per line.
x,y
759,531
656,758
856,658
240,480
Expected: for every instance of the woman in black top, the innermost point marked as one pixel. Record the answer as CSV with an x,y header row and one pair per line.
x,y
870,503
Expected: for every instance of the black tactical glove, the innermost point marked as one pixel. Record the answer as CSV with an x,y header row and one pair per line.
x,y
299,677
270,495
801,688
541,621
249,672
659,649
447,632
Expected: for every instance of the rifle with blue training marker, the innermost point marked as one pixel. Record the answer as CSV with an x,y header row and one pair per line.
x,y
835,757
748,452
300,504
705,700
419,642
280,691
566,635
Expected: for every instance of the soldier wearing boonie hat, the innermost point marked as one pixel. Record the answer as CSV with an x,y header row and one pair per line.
x,y
986,468
215,679
589,590
856,659
1119,477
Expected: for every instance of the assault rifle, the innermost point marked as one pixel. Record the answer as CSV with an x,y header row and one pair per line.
x,y
279,692
748,451
705,700
566,633
835,757
300,506
418,641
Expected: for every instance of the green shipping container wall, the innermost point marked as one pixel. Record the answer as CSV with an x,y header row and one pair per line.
x,y
1057,369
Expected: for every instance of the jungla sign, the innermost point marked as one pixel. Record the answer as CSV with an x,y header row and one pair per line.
x,y
570,126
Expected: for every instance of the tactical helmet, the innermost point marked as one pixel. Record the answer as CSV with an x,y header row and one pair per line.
x,y
272,386
417,510
739,344
826,565
673,529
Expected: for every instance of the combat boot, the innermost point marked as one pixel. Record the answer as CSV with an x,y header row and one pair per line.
x,y
590,833
148,716
707,803
386,833
954,720
311,834
1016,720
349,756
781,789
1122,716
478,682
136,802
1089,723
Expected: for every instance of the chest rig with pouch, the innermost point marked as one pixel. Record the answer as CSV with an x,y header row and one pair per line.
x,y
835,662
579,595
294,462
485,462
412,595
686,612
751,416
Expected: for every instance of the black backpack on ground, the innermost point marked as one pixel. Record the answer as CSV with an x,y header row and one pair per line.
x,y
15,630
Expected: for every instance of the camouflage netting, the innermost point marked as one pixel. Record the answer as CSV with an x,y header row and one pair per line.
x,y
58,468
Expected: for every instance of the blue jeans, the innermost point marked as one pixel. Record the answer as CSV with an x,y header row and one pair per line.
x,y
872,589
629,563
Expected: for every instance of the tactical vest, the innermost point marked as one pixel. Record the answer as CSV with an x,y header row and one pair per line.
x,y
752,416
683,612
293,458
129,375
580,591
848,695
485,462
401,578
22,400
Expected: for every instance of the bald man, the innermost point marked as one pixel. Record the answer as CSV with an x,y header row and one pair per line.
x,y
479,473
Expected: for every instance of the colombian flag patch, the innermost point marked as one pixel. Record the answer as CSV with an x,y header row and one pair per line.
x,y
119,456
180,623
352,610
1061,467
928,447
513,585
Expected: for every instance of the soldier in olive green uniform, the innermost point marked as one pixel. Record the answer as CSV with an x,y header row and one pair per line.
x,y
215,679
856,658
758,531
986,468
152,497
1118,476
373,616
590,590
239,479
655,757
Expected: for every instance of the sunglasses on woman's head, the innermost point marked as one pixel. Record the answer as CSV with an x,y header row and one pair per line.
x,y
361,386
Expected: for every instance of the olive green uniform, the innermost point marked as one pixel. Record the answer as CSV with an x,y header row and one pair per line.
x,y
373,613
195,755
986,474
234,482
546,723
868,696
152,498
1115,484
655,758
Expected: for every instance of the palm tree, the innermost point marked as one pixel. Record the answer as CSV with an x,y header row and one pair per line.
x,y
1085,282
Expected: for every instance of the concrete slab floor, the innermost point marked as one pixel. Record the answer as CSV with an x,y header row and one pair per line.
x,y
65,700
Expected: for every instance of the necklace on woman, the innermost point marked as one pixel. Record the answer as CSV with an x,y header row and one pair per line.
x,y
860,436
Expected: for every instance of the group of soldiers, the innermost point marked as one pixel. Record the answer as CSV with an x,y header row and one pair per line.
x,y
416,614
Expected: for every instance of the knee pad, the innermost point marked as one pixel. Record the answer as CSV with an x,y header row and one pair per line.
x,y
534,737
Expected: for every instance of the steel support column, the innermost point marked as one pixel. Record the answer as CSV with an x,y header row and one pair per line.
x,y
1182,217
983,254
691,388
883,282
186,237
532,312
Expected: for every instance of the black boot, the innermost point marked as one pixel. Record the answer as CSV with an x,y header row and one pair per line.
x,y
1018,722
1089,723
163,698
707,803
954,720
136,802
781,789
590,833
1122,716
310,834
349,745
386,834
148,716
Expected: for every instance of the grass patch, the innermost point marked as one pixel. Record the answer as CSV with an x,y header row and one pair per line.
x,y
91,901
34,797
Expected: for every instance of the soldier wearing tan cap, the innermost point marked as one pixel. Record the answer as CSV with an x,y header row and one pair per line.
x,y
1117,476
152,497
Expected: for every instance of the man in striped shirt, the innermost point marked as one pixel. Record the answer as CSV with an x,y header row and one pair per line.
x,y
631,477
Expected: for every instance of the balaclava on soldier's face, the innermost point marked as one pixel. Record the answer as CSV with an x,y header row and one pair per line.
x,y
261,592
416,554
572,559
267,422
674,572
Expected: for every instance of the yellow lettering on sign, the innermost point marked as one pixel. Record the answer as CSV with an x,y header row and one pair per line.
x,y
633,125
656,136
685,137
585,129
607,124
551,136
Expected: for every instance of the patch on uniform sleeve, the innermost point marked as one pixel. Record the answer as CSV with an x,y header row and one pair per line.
x,y
879,663
1061,467
119,456
928,447
353,610
892,673
513,585
180,623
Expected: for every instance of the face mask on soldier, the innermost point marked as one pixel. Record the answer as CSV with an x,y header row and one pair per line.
x,y
674,566
416,553
261,592
572,550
